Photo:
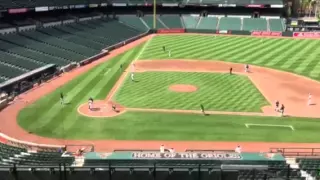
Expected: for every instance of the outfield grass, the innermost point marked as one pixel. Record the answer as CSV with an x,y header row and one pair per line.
x,y
46,117
300,56
216,91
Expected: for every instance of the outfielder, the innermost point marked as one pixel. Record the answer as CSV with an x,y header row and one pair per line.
x,y
132,76
61,98
169,53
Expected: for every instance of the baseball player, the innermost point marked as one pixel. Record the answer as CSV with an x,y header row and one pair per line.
x,y
169,53
90,103
277,106
61,98
164,48
282,110
246,68
132,76
309,99
202,109
114,107
230,71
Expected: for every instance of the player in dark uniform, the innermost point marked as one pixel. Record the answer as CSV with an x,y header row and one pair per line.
x,y
282,109
61,98
164,48
277,106
202,109
114,107
121,66
230,71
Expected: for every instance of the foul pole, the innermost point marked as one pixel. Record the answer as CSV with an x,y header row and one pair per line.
x,y
154,13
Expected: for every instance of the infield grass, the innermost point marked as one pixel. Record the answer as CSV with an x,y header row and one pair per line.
x,y
46,117
216,91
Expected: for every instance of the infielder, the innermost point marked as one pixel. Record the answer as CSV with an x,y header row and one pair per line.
x,y
277,106
309,99
246,68
282,110
90,103
132,76
202,109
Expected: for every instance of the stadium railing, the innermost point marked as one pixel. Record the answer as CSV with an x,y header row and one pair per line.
x,y
297,152
147,172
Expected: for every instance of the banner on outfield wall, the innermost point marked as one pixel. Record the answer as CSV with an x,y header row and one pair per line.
x,y
306,34
17,11
266,33
41,9
223,32
176,30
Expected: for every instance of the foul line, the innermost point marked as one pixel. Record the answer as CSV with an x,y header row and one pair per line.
x,y
122,77
270,125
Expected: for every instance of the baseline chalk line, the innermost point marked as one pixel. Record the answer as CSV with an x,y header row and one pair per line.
x,y
270,125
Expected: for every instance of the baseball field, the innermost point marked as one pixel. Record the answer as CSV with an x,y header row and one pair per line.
x,y
163,102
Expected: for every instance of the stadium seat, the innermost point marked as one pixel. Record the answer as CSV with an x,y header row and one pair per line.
x,y
276,25
133,21
171,21
148,19
190,22
208,23
254,24
229,23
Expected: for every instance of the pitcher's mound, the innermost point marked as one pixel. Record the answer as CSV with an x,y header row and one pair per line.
x,y
183,88
100,109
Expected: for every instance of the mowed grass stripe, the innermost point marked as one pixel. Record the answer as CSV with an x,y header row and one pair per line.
x,y
287,54
272,45
311,59
56,108
95,90
244,50
216,91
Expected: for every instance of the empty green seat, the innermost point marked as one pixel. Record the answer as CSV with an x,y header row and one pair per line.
x,y
171,21
254,24
190,22
276,25
208,23
229,23
148,19
133,21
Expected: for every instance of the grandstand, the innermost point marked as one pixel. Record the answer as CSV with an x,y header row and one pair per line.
x,y
64,44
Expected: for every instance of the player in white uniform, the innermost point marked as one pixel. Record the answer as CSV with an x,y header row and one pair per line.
x,y
309,99
169,53
132,76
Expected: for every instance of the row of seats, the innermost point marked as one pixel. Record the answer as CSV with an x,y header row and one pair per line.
x,y
213,23
60,45
36,3
19,156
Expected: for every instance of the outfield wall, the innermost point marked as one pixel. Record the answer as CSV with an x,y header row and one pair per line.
x,y
304,35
